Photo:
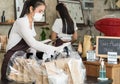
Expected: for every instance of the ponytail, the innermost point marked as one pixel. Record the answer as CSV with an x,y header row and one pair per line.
x,y
68,24
25,9
28,3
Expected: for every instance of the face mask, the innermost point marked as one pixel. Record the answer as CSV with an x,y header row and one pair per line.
x,y
37,16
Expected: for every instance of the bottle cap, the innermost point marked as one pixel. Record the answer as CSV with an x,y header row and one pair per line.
x,y
102,62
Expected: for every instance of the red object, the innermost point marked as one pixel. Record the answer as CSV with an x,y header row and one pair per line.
x,y
108,26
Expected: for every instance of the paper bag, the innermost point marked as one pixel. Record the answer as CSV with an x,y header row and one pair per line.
x,y
77,72
3,41
13,74
87,45
26,71
67,70
63,64
118,3
55,75
80,50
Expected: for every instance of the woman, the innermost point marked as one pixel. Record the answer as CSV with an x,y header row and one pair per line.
x,y
22,33
64,29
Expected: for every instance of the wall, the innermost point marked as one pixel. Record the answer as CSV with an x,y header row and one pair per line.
x,y
8,6
96,13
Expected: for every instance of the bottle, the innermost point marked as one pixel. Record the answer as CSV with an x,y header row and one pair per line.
x,y
43,35
3,17
102,71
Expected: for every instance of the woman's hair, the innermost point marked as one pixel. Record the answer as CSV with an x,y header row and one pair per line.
x,y
26,7
28,3
68,24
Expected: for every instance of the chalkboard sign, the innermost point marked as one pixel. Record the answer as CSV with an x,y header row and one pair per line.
x,y
106,44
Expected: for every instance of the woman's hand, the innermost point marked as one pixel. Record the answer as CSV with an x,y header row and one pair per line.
x,y
61,48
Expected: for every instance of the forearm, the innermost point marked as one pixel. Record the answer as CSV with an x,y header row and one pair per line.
x,y
53,36
73,41
74,37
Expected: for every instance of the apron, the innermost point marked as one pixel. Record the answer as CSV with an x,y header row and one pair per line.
x,y
22,45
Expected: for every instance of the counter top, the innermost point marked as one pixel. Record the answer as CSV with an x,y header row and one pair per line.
x,y
90,80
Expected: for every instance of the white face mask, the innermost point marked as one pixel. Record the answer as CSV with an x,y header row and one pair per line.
x,y
37,16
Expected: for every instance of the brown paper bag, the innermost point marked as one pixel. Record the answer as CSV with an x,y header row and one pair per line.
x,y
118,3
45,73
63,64
12,75
45,79
55,74
76,74
32,71
37,71
3,41
67,70
27,72
87,45
80,50
20,77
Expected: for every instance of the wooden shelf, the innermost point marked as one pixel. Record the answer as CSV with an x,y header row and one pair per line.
x,y
112,9
6,23
41,23
36,23
2,51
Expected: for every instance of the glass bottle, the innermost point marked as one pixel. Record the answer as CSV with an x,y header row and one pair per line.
x,y
43,34
3,17
102,71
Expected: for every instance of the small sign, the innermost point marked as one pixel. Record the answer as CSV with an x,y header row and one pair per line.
x,y
112,57
91,55
105,44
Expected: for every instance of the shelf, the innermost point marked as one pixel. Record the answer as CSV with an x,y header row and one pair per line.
x,y
36,23
40,23
2,51
6,23
112,9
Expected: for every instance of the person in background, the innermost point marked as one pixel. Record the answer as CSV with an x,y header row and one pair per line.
x,y
22,34
64,28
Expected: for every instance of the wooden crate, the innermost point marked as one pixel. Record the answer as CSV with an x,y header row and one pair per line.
x,y
112,70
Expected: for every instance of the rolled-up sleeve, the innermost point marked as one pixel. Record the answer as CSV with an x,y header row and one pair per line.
x,y
25,32
57,25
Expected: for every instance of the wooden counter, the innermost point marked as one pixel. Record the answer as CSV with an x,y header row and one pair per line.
x,y
112,70
90,80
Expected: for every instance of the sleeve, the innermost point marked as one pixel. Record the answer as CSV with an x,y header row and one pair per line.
x,y
25,33
56,25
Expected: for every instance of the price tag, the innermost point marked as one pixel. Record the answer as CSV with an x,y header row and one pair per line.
x,y
112,57
91,55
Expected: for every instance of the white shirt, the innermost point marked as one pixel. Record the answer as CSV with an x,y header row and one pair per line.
x,y
21,29
57,28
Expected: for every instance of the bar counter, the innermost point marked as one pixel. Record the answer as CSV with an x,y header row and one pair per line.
x,y
90,80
